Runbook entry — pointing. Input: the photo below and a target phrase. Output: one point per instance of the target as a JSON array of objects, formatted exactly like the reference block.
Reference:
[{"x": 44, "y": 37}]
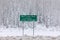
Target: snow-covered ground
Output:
[
  {"x": 40, "y": 30},
  {"x": 30, "y": 38}
]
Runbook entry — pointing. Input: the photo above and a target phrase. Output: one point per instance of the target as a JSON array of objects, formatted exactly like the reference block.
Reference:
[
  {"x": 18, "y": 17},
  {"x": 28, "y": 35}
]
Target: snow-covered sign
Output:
[{"x": 28, "y": 17}]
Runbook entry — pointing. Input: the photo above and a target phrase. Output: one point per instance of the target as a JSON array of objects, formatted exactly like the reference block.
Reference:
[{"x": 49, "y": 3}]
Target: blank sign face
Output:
[{"x": 28, "y": 17}]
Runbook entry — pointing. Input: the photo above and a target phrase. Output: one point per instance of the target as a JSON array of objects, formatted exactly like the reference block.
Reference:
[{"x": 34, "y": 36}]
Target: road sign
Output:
[{"x": 28, "y": 17}]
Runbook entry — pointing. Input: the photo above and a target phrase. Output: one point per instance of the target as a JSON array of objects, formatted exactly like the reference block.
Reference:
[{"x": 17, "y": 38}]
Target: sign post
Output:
[{"x": 28, "y": 18}]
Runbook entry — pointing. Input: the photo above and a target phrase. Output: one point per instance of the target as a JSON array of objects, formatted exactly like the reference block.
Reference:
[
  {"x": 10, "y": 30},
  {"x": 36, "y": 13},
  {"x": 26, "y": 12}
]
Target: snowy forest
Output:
[{"x": 47, "y": 11}]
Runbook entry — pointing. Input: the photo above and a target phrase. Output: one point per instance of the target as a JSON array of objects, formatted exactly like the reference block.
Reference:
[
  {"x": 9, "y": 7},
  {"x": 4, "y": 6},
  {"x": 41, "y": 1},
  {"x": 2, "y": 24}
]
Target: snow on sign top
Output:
[{"x": 28, "y": 17}]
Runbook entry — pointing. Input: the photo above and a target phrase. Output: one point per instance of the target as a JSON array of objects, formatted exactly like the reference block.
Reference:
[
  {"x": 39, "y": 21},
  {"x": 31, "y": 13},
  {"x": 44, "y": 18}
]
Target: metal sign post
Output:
[
  {"x": 23, "y": 29},
  {"x": 28, "y": 18},
  {"x": 33, "y": 28}
]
